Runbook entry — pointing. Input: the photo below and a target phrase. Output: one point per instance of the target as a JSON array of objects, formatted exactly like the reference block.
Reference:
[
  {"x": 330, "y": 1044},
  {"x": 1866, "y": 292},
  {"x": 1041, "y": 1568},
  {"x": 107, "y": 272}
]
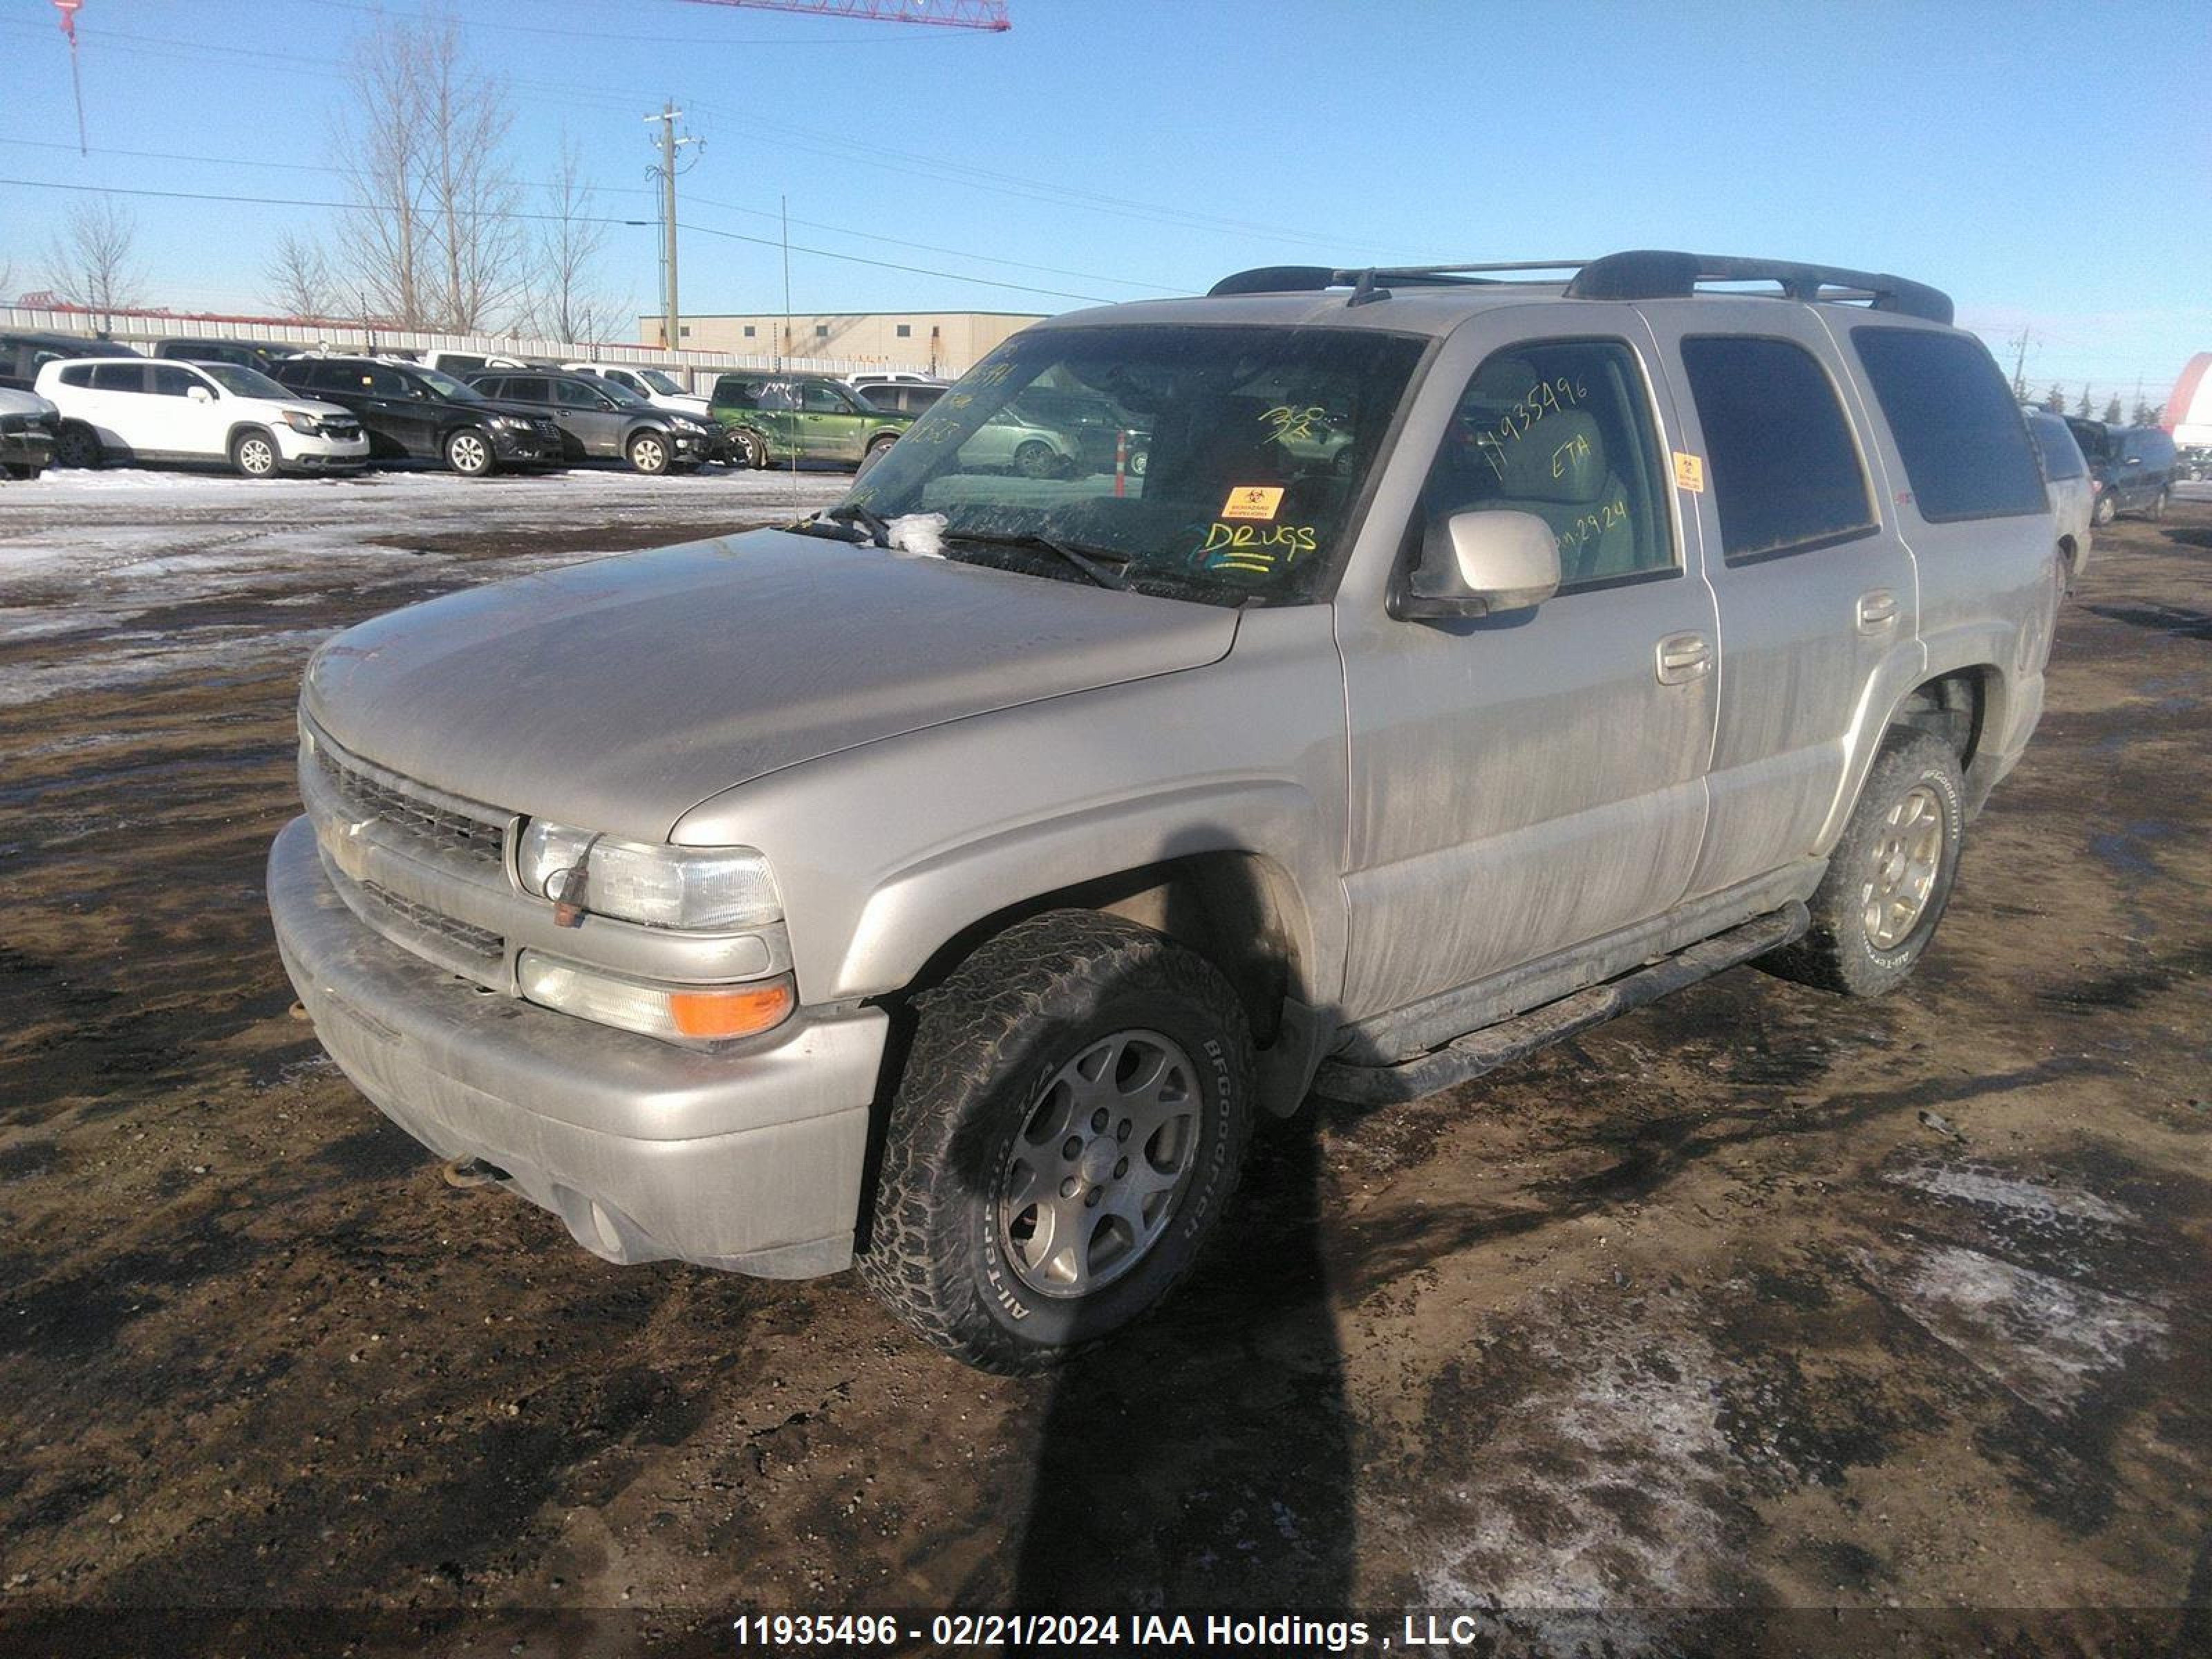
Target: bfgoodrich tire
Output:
[
  {"x": 1070, "y": 1121},
  {"x": 1890, "y": 876}
]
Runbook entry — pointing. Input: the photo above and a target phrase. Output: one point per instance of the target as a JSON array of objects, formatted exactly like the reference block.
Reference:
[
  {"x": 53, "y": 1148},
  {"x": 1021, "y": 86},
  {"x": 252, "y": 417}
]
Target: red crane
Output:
[{"x": 945, "y": 14}]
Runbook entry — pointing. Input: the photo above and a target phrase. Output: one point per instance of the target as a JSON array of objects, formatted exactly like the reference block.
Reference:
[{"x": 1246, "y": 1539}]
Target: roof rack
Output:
[{"x": 1642, "y": 273}]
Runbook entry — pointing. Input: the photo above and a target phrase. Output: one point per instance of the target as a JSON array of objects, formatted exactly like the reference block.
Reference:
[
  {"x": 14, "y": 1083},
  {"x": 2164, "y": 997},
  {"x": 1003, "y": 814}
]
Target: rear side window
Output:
[
  {"x": 1957, "y": 428},
  {"x": 79, "y": 376},
  {"x": 117, "y": 377},
  {"x": 2054, "y": 442},
  {"x": 1785, "y": 473}
]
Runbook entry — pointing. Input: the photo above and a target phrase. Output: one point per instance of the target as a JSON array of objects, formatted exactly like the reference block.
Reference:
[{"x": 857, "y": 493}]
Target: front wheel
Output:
[
  {"x": 649, "y": 453},
  {"x": 1890, "y": 876},
  {"x": 468, "y": 451},
  {"x": 77, "y": 445},
  {"x": 2158, "y": 507},
  {"x": 253, "y": 455},
  {"x": 1069, "y": 1125}
]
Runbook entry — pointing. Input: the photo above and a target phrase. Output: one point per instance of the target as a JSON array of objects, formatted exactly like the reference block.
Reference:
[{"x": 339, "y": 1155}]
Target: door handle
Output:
[
  {"x": 1877, "y": 611},
  {"x": 1684, "y": 658}
]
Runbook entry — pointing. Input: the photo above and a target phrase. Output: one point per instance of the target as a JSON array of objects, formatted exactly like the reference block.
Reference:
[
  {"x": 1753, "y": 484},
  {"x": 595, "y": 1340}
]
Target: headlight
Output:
[
  {"x": 512, "y": 423},
  {"x": 299, "y": 421},
  {"x": 695, "y": 887},
  {"x": 699, "y": 1013}
]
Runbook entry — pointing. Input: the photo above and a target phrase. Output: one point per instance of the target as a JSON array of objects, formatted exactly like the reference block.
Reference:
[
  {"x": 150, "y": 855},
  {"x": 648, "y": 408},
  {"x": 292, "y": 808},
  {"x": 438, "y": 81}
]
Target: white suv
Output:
[
  {"x": 657, "y": 386},
  {"x": 128, "y": 408}
]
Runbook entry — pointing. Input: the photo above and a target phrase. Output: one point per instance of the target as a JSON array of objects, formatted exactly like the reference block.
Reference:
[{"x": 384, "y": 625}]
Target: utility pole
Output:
[
  {"x": 2019, "y": 364},
  {"x": 670, "y": 143}
]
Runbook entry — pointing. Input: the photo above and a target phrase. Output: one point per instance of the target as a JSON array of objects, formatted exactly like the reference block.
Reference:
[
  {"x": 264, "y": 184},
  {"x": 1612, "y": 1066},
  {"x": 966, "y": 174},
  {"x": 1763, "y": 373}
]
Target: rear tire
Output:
[
  {"x": 24, "y": 474},
  {"x": 77, "y": 445},
  {"x": 992, "y": 1239},
  {"x": 469, "y": 452},
  {"x": 1890, "y": 876},
  {"x": 2104, "y": 513},
  {"x": 876, "y": 451},
  {"x": 2158, "y": 508},
  {"x": 253, "y": 455},
  {"x": 750, "y": 450}
]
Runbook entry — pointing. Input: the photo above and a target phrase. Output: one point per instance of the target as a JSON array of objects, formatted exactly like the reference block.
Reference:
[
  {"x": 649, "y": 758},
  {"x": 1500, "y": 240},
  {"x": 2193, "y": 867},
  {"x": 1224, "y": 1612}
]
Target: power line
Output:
[
  {"x": 545, "y": 218},
  {"x": 618, "y": 190},
  {"x": 940, "y": 170}
]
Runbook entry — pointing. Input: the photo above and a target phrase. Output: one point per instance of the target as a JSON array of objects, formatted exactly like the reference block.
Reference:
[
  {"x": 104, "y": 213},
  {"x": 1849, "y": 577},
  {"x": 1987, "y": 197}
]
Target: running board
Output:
[{"x": 1517, "y": 1038}]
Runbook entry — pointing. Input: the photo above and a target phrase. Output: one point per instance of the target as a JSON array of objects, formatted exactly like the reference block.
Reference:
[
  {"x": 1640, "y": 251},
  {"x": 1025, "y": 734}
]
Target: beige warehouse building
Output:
[{"x": 947, "y": 342}]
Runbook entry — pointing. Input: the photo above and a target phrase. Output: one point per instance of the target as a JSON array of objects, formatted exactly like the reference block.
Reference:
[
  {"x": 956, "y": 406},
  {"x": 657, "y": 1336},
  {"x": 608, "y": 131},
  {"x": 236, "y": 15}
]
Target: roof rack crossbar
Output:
[
  {"x": 1653, "y": 274},
  {"x": 1642, "y": 273}
]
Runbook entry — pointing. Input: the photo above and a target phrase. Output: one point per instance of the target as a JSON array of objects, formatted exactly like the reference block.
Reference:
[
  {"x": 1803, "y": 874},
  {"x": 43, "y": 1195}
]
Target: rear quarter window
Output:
[
  {"x": 2054, "y": 442},
  {"x": 1785, "y": 468},
  {"x": 1957, "y": 428}
]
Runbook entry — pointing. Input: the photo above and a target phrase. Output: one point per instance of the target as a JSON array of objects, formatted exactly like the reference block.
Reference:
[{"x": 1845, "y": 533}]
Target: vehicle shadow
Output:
[{"x": 1205, "y": 1458}]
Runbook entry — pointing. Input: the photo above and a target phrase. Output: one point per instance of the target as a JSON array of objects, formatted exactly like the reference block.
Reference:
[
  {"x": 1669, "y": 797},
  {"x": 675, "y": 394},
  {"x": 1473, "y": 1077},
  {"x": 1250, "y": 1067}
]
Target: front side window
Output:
[
  {"x": 1216, "y": 463},
  {"x": 172, "y": 382},
  {"x": 242, "y": 382},
  {"x": 1958, "y": 430},
  {"x": 1562, "y": 430},
  {"x": 445, "y": 385},
  {"x": 828, "y": 400},
  {"x": 1779, "y": 458}
]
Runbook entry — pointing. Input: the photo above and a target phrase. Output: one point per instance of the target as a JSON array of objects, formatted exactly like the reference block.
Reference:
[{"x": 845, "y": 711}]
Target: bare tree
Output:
[
  {"x": 565, "y": 301},
  {"x": 299, "y": 278},
  {"x": 475, "y": 202},
  {"x": 380, "y": 142},
  {"x": 90, "y": 263}
]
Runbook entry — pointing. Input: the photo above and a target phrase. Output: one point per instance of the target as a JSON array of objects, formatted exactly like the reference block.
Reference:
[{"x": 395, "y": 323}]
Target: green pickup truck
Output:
[{"x": 806, "y": 417}]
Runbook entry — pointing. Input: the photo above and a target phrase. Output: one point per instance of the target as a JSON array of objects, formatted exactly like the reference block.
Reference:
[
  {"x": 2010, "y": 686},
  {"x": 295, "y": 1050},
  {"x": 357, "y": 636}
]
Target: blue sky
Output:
[{"x": 2050, "y": 166}]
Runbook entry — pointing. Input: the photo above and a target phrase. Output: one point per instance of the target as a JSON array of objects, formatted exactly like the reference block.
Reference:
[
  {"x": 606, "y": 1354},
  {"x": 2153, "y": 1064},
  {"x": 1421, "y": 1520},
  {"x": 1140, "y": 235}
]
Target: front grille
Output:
[
  {"x": 455, "y": 834},
  {"x": 479, "y": 942}
]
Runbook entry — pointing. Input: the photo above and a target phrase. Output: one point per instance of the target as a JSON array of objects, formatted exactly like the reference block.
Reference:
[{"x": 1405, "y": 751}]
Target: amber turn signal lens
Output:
[{"x": 739, "y": 1012}]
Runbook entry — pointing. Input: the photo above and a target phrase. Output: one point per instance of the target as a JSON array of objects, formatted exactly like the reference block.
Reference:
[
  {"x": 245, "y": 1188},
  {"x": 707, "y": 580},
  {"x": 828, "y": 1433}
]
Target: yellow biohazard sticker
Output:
[
  {"x": 1253, "y": 501},
  {"x": 1690, "y": 472}
]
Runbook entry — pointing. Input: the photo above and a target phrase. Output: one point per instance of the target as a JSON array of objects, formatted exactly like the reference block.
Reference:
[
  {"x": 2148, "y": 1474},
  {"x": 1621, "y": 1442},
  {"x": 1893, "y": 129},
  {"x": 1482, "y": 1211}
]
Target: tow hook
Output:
[{"x": 466, "y": 1172}]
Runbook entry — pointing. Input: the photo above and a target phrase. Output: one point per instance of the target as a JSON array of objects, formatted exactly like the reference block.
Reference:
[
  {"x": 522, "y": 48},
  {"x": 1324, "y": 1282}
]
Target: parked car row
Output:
[{"x": 2132, "y": 467}]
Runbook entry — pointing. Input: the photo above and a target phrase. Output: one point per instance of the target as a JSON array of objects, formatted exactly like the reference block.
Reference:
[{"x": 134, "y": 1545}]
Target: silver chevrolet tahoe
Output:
[{"x": 943, "y": 884}]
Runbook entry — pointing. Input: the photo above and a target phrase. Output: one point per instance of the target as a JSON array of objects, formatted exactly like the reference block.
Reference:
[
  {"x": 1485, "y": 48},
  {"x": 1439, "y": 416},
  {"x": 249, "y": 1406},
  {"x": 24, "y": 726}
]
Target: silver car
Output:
[
  {"x": 2073, "y": 491},
  {"x": 944, "y": 884}
]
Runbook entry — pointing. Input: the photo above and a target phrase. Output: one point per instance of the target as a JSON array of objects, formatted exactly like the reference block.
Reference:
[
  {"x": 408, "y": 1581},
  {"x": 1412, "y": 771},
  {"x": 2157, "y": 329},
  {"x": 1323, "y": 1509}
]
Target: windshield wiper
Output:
[
  {"x": 879, "y": 527},
  {"x": 1086, "y": 561}
]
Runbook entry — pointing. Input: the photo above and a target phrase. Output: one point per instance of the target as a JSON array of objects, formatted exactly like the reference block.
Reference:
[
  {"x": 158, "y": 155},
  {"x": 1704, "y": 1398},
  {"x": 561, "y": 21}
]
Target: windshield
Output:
[
  {"x": 447, "y": 386},
  {"x": 241, "y": 382},
  {"x": 1219, "y": 464},
  {"x": 664, "y": 384}
]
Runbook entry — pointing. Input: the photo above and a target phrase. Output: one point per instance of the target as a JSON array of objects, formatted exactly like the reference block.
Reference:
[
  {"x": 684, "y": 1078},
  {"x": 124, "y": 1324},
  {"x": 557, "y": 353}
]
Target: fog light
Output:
[{"x": 717, "y": 1013}]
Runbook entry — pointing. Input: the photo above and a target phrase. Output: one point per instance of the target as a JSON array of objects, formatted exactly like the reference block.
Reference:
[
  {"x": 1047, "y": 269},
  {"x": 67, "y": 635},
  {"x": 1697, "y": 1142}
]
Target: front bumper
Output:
[
  {"x": 531, "y": 448},
  {"x": 307, "y": 452},
  {"x": 26, "y": 446},
  {"x": 764, "y": 1180}
]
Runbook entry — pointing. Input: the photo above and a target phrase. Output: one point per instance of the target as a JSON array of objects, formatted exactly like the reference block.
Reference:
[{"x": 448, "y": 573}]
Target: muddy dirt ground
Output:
[{"x": 1756, "y": 1299}]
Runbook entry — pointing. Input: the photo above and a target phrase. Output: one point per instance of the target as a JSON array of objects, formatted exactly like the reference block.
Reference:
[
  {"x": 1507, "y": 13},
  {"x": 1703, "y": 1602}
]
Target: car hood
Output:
[{"x": 618, "y": 695}]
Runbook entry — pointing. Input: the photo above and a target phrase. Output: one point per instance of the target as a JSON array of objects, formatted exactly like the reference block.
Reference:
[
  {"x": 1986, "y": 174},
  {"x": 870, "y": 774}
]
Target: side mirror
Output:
[
  {"x": 199, "y": 394},
  {"x": 1479, "y": 563}
]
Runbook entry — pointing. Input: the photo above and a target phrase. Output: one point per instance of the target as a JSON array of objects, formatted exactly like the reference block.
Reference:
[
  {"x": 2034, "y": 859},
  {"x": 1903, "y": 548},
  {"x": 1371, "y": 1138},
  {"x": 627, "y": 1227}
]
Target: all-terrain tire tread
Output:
[{"x": 919, "y": 1260}]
